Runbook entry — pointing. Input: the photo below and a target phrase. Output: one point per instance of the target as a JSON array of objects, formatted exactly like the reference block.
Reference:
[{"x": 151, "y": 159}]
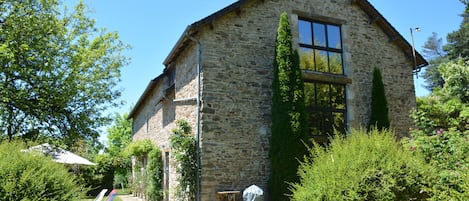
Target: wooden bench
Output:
[{"x": 228, "y": 195}]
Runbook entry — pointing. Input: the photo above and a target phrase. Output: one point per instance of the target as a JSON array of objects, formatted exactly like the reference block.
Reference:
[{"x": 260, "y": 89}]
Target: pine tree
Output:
[
  {"x": 288, "y": 115},
  {"x": 379, "y": 105}
]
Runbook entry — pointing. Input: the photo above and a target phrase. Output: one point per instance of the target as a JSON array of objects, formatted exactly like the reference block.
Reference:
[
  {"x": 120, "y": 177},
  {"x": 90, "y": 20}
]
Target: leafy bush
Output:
[
  {"x": 154, "y": 175},
  {"x": 184, "y": 149},
  {"x": 148, "y": 168},
  {"x": 363, "y": 166},
  {"x": 31, "y": 176},
  {"x": 448, "y": 152}
]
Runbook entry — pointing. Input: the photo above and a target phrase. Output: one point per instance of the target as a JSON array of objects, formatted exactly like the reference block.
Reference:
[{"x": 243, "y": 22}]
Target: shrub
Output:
[
  {"x": 448, "y": 152},
  {"x": 183, "y": 145},
  {"x": 362, "y": 166},
  {"x": 31, "y": 176},
  {"x": 148, "y": 169},
  {"x": 154, "y": 175},
  {"x": 379, "y": 105}
]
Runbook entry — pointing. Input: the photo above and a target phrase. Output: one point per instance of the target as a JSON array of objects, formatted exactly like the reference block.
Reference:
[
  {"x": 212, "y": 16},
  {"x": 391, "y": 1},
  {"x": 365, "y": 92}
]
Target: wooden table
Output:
[{"x": 229, "y": 195}]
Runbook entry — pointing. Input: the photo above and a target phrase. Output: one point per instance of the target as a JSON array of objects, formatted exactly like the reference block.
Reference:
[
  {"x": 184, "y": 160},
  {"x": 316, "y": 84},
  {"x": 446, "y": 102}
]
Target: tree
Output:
[
  {"x": 58, "y": 71},
  {"x": 379, "y": 105},
  {"x": 433, "y": 51},
  {"x": 119, "y": 137},
  {"x": 458, "y": 41},
  {"x": 288, "y": 115}
]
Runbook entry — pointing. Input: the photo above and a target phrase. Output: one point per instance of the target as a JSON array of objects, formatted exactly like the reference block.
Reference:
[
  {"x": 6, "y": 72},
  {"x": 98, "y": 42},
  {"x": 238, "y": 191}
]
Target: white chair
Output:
[{"x": 100, "y": 195}]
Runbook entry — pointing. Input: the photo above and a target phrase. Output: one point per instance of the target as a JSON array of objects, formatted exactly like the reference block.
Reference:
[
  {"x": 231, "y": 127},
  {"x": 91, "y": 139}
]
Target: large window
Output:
[
  {"x": 320, "y": 47},
  {"x": 321, "y": 52},
  {"x": 325, "y": 104}
]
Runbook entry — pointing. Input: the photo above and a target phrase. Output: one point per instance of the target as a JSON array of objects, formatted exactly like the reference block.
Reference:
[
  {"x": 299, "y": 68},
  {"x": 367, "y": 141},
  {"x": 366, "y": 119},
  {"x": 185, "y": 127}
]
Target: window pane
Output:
[
  {"x": 327, "y": 123},
  {"x": 338, "y": 96},
  {"x": 335, "y": 62},
  {"x": 306, "y": 58},
  {"x": 322, "y": 94},
  {"x": 333, "y": 37},
  {"x": 314, "y": 123},
  {"x": 339, "y": 121},
  {"x": 305, "y": 32},
  {"x": 319, "y": 31},
  {"x": 321, "y": 61},
  {"x": 309, "y": 95}
]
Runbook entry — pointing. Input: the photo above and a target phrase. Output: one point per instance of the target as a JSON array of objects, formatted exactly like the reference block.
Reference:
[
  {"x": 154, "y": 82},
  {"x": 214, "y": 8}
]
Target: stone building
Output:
[{"x": 231, "y": 53}]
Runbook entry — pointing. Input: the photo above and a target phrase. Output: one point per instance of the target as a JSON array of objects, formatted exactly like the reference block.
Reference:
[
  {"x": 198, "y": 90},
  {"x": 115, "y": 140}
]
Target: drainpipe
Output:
[{"x": 199, "y": 165}]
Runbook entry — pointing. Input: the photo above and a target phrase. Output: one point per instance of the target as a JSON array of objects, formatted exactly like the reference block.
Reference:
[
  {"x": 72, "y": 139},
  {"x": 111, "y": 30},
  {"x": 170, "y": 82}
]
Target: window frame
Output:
[
  {"x": 326, "y": 48},
  {"x": 328, "y": 78}
]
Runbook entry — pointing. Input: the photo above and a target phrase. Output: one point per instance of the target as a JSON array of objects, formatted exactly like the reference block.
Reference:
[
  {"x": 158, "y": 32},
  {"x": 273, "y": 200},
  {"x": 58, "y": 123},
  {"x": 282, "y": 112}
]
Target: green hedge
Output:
[
  {"x": 363, "y": 166},
  {"x": 31, "y": 176}
]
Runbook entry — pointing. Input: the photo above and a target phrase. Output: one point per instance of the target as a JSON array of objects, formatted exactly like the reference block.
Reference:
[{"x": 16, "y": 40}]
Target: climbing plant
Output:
[
  {"x": 183, "y": 146},
  {"x": 149, "y": 181}
]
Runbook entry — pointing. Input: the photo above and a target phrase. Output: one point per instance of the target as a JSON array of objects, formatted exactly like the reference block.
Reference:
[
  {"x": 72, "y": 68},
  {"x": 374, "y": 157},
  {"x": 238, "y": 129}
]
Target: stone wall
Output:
[
  {"x": 237, "y": 65},
  {"x": 159, "y": 111},
  {"x": 237, "y": 56}
]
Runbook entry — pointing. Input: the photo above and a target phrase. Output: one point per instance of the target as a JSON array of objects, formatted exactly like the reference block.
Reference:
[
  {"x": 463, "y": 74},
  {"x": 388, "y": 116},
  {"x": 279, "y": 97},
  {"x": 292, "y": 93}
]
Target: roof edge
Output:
[
  {"x": 145, "y": 94},
  {"x": 365, "y": 5},
  {"x": 194, "y": 26}
]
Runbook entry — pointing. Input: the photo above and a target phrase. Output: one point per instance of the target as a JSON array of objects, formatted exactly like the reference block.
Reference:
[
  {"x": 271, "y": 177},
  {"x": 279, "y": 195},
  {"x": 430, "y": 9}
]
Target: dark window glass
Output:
[
  {"x": 326, "y": 108},
  {"x": 323, "y": 48}
]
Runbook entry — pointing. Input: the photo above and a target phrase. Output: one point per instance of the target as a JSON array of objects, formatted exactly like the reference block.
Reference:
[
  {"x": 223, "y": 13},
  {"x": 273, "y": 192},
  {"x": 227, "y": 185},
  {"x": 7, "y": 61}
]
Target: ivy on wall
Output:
[
  {"x": 184, "y": 152},
  {"x": 147, "y": 181}
]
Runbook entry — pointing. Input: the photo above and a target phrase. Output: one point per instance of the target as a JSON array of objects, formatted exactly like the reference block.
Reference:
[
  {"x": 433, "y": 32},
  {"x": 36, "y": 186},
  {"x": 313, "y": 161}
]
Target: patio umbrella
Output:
[{"x": 60, "y": 155}]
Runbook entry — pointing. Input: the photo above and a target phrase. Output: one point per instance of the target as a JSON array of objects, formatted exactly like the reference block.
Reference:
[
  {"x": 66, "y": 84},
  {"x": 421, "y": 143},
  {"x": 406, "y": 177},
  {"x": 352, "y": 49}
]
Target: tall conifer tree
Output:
[
  {"x": 379, "y": 105},
  {"x": 288, "y": 115}
]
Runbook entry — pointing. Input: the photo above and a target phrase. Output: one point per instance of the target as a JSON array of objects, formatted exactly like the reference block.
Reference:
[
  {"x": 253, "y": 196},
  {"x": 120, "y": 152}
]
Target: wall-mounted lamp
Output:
[{"x": 417, "y": 29}]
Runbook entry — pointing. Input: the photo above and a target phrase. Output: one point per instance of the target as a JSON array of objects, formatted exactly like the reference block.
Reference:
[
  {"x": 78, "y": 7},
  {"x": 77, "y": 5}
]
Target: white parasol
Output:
[{"x": 61, "y": 155}]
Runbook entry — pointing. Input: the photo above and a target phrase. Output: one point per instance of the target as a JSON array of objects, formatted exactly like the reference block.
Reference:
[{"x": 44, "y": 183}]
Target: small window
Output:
[{"x": 320, "y": 47}]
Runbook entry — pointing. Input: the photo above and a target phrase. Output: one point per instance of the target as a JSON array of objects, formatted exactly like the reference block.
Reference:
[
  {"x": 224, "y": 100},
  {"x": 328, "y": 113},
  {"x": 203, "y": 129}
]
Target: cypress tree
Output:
[
  {"x": 288, "y": 115},
  {"x": 379, "y": 105}
]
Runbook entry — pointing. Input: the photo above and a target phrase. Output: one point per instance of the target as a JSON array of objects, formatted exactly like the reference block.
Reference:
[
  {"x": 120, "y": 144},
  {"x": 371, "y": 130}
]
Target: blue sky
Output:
[{"x": 152, "y": 28}]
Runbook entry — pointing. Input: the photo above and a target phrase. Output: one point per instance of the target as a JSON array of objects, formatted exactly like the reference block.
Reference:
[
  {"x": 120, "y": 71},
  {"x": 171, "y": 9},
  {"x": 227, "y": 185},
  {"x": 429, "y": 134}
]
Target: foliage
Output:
[
  {"x": 154, "y": 175},
  {"x": 456, "y": 77},
  {"x": 379, "y": 105},
  {"x": 139, "y": 148},
  {"x": 58, "y": 71},
  {"x": 99, "y": 176},
  {"x": 442, "y": 134},
  {"x": 433, "y": 51},
  {"x": 148, "y": 168},
  {"x": 184, "y": 152},
  {"x": 448, "y": 152},
  {"x": 31, "y": 176},
  {"x": 119, "y": 137},
  {"x": 446, "y": 108},
  {"x": 458, "y": 41},
  {"x": 362, "y": 166},
  {"x": 288, "y": 114}
]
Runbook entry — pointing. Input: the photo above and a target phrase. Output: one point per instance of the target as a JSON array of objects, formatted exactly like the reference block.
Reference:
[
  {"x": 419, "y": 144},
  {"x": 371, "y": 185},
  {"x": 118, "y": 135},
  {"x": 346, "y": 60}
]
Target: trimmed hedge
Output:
[{"x": 31, "y": 176}]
